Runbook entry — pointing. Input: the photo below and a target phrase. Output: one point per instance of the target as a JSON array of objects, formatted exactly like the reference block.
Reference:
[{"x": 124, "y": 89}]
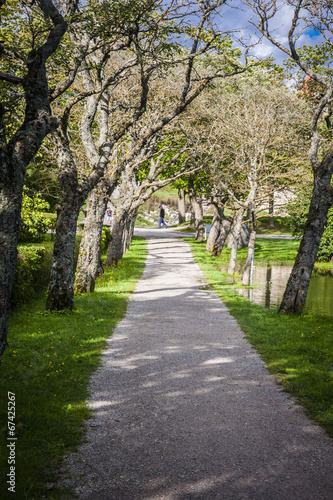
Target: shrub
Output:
[
  {"x": 325, "y": 252},
  {"x": 298, "y": 212},
  {"x": 34, "y": 223},
  {"x": 31, "y": 273},
  {"x": 105, "y": 239}
]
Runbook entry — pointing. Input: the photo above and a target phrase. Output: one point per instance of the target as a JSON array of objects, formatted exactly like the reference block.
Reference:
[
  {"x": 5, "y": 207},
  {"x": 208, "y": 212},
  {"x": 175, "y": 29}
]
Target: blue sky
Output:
[{"x": 237, "y": 15}]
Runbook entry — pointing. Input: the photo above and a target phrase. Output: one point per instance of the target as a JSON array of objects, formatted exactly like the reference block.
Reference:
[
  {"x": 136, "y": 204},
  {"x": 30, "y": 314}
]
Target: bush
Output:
[
  {"x": 298, "y": 212},
  {"x": 325, "y": 252},
  {"x": 34, "y": 223},
  {"x": 105, "y": 239},
  {"x": 31, "y": 273}
]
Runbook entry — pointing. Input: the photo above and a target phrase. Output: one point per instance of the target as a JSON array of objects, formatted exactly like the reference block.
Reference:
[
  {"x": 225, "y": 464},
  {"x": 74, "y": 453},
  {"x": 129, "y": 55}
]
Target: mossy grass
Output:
[
  {"x": 298, "y": 350},
  {"x": 47, "y": 365}
]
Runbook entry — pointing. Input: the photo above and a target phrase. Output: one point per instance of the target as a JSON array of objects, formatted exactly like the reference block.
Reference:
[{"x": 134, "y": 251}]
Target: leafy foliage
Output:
[
  {"x": 105, "y": 239},
  {"x": 31, "y": 273},
  {"x": 34, "y": 222},
  {"x": 298, "y": 213},
  {"x": 325, "y": 252}
]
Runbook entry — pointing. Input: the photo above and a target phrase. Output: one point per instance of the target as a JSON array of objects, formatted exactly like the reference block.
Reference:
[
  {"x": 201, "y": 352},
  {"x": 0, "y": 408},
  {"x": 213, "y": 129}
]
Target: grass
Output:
[
  {"x": 267, "y": 250},
  {"x": 298, "y": 350},
  {"x": 142, "y": 222},
  {"x": 185, "y": 226},
  {"x": 47, "y": 365},
  {"x": 280, "y": 226}
]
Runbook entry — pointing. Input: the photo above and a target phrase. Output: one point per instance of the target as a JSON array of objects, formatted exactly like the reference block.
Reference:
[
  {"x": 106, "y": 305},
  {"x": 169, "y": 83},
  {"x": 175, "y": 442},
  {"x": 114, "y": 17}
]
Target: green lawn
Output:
[
  {"x": 47, "y": 365},
  {"x": 298, "y": 350},
  {"x": 267, "y": 250},
  {"x": 280, "y": 226}
]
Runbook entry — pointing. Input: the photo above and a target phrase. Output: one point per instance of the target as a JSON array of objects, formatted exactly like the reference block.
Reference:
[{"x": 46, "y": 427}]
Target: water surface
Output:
[{"x": 270, "y": 283}]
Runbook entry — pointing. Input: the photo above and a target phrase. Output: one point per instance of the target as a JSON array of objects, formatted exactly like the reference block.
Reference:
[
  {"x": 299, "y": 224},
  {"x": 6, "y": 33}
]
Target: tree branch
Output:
[{"x": 11, "y": 78}]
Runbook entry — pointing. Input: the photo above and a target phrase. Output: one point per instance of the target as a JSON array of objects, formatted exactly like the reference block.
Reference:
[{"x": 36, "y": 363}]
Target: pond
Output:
[{"x": 270, "y": 282}]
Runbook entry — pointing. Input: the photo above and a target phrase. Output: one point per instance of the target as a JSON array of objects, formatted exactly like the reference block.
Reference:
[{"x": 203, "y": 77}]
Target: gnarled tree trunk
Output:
[
  {"x": 129, "y": 229},
  {"x": 116, "y": 246},
  {"x": 17, "y": 152},
  {"x": 216, "y": 227},
  {"x": 250, "y": 250},
  {"x": 61, "y": 287},
  {"x": 10, "y": 220},
  {"x": 196, "y": 203},
  {"x": 271, "y": 210},
  {"x": 89, "y": 265},
  {"x": 235, "y": 232},
  {"x": 297, "y": 287},
  {"x": 224, "y": 232},
  {"x": 181, "y": 206},
  {"x": 192, "y": 217}
]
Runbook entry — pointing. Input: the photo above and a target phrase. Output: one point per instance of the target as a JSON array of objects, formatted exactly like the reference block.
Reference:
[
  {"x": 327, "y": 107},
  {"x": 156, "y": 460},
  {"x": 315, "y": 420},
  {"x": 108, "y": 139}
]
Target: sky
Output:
[{"x": 237, "y": 16}]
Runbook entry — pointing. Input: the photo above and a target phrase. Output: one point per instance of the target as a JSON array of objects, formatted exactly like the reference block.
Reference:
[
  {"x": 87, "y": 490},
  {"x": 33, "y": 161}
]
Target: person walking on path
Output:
[
  {"x": 161, "y": 220},
  {"x": 185, "y": 409}
]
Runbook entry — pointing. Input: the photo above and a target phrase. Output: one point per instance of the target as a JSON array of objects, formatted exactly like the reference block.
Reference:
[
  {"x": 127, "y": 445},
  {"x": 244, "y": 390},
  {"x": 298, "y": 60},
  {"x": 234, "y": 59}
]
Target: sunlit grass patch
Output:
[{"x": 47, "y": 365}]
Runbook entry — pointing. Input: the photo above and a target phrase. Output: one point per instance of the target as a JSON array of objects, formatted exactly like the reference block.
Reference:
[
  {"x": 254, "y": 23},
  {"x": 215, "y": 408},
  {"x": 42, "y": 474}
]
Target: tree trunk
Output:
[
  {"x": 89, "y": 265},
  {"x": 224, "y": 231},
  {"x": 116, "y": 246},
  {"x": 199, "y": 236},
  {"x": 235, "y": 232},
  {"x": 216, "y": 227},
  {"x": 268, "y": 286},
  {"x": 181, "y": 206},
  {"x": 17, "y": 152},
  {"x": 61, "y": 287},
  {"x": 196, "y": 203},
  {"x": 297, "y": 287},
  {"x": 250, "y": 251},
  {"x": 271, "y": 210},
  {"x": 129, "y": 229},
  {"x": 10, "y": 221},
  {"x": 192, "y": 218}
]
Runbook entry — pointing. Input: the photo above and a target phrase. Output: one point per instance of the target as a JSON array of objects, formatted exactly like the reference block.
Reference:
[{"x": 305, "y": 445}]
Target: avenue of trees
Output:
[{"x": 135, "y": 95}]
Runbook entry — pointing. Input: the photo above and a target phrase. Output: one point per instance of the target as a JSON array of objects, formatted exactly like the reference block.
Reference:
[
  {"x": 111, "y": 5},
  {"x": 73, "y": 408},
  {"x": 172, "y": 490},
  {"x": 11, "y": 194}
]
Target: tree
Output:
[
  {"x": 251, "y": 123},
  {"x": 24, "y": 66},
  {"x": 316, "y": 15},
  {"x": 137, "y": 187},
  {"x": 196, "y": 205},
  {"x": 220, "y": 224},
  {"x": 101, "y": 48},
  {"x": 140, "y": 134},
  {"x": 144, "y": 171}
]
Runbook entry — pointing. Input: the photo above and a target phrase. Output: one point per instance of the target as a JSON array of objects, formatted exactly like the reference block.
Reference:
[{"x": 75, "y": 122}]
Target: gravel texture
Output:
[{"x": 184, "y": 408}]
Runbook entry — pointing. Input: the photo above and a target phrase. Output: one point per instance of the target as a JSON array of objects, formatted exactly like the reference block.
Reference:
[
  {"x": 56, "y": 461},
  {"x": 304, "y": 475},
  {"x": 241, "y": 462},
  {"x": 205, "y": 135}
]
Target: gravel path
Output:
[{"x": 184, "y": 407}]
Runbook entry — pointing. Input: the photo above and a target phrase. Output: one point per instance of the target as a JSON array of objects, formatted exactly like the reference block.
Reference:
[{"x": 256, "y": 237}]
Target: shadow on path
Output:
[{"x": 185, "y": 409}]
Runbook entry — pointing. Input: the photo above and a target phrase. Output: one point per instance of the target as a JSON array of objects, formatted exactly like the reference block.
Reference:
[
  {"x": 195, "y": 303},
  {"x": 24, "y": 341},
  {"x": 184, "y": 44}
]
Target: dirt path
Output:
[{"x": 184, "y": 407}]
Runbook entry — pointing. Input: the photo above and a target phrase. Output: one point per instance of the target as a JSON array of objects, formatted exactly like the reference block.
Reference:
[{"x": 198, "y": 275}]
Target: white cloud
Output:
[{"x": 236, "y": 18}]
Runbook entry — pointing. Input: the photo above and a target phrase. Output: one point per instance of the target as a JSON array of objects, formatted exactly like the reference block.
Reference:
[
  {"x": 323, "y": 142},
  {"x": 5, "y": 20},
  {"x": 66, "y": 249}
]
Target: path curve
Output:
[{"x": 184, "y": 407}]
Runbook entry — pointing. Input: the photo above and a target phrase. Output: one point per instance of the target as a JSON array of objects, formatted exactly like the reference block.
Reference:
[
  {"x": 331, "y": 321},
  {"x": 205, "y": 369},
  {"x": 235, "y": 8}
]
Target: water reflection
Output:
[{"x": 270, "y": 282}]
